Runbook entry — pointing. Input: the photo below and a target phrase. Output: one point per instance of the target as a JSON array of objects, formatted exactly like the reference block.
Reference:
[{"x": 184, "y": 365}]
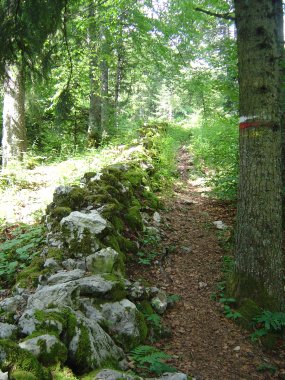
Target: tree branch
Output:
[{"x": 227, "y": 16}]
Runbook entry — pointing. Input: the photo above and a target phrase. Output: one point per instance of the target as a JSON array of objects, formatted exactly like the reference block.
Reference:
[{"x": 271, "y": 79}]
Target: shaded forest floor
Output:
[{"x": 204, "y": 343}]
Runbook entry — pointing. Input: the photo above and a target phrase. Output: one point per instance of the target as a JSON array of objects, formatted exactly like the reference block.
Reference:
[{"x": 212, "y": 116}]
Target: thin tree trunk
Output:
[
  {"x": 104, "y": 96},
  {"x": 259, "y": 259},
  {"x": 14, "y": 141},
  {"x": 119, "y": 71},
  {"x": 94, "y": 123}
]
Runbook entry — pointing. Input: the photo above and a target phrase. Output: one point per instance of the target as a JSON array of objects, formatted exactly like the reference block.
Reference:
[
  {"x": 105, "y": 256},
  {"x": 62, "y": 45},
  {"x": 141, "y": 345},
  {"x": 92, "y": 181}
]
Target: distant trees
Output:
[
  {"x": 14, "y": 140},
  {"x": 24, "y": 29},
  {"x": 259, "y": 257},
  {"x": 108, "y": 64}
]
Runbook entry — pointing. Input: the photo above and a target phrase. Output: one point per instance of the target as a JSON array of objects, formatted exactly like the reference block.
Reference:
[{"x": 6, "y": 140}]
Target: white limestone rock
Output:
[
  {"x": 13, "y": 304},
  {"x": 95, "y": 343},
  {"x": 104, "y": 261},
  {"x": 29, "y": 323},
  {"x": 44, "y": 345},
  {"x": 159, "y": 302},
  {"x": 65, "y": 276},
  {"x": 111, "y": 374},
  {"x": 124, "y": 322},
  {"x": 7, "y": 331},
  {"x": 58, "y": 295}
]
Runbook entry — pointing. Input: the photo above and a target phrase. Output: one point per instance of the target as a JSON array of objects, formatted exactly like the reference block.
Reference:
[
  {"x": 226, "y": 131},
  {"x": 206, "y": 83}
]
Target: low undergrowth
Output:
[
  {"x": 265, "y": 327},
  {"x": 150, "y": 360},
  {"x": 20, "y": 243},
  {"x": 215, "y": 147}
]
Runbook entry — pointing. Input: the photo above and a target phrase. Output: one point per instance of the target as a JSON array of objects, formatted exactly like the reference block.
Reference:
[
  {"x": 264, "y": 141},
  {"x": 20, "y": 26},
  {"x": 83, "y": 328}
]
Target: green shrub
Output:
[{"x": 215, "y": 146}]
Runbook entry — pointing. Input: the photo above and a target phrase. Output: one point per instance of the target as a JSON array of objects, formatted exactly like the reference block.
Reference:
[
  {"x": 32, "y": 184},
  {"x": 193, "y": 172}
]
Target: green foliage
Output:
[
  {"x": 228, "y": 302},
  {"x": 167, "y": 145},
  {"x": 149, "y": 244},
  {"x": 268, "y": 322},
  {"x": 154, "y": 319},
  {"x": 228, "y": 311},
  {"x": 150, "y": 359},
  {"x": 20, "y": 245},
  {"x": 172, "y": 298},
  {"x": 228, "y": 265},
  {"x": 146, "y": 257},
  {"x": 264, "y": 367},
  {"x": 65, "y": 373},
  {"x": 215, "y": 146}
]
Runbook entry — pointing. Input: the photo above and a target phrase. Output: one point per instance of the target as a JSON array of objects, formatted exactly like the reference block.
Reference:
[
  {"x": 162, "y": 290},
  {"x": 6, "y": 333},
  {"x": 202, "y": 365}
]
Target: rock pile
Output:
[{"x": 73, "y": 305}]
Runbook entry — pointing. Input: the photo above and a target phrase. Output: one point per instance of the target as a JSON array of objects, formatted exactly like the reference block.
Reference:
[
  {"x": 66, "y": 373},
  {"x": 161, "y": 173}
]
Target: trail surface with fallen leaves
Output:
[{"x": 204, "y": 343}]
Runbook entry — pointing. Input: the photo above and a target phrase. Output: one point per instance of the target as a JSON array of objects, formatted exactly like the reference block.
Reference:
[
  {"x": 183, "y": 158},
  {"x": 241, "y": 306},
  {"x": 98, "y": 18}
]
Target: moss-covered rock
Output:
[
  {"x": 81, "y": 232},
  {"x": 118, "y": 291},
  {"x": 28, "y": 277},
  {"x": 88, "y": 176},
  {"x": 47, "y": 348},
  {"x": 55, "y": 253},
  {"x": 133, "y": 218},
  {"x": 136, "y": 177},
  {"x": 13, "y": 358},
  {"x": 22, "y": 375},
  {"x": 106, "y": 260},
  {"x": 60, "y": 212},
  {"x": 112, "y": 240},
  {"x": 127, "y": 245},
  {"x": 73, "y": 197},
  {"x": 91, "y": 347},
  {"x": 125, "y": 323},
  {"x": 151, "y": 199}
]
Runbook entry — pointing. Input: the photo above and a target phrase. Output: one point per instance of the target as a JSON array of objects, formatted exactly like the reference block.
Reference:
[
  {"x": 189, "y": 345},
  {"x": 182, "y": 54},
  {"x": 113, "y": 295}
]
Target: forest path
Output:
[{"x": 205, "y": 344}]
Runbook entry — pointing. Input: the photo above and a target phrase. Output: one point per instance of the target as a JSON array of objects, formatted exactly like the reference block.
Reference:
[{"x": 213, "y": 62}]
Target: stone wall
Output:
[{"x": 74, "y": 306}]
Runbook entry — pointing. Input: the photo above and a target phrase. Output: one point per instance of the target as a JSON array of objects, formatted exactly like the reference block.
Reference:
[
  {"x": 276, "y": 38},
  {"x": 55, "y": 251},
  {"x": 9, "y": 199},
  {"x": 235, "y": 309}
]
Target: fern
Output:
[
  {"x": 271, "y": 320},
  {"x": 151, "y": 359},
  {"x": 268, "y": 321},
  {"x": 154, "y": 319}
]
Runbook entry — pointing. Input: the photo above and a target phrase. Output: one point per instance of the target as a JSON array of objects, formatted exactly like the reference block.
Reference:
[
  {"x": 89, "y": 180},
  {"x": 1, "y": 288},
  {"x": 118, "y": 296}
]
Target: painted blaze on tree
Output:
[{"x": 259, "y": 261}]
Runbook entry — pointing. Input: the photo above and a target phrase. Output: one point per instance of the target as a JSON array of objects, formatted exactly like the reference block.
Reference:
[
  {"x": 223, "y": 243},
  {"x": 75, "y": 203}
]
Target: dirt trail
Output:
[{"x": 206, "y": 345}]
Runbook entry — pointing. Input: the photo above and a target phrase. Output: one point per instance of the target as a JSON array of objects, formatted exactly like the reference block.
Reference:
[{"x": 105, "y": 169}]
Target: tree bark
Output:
[
  {"x": 259, "y": 261},
  {"x": 14, "y": 140},
  {"x": 279, "y": 20}
]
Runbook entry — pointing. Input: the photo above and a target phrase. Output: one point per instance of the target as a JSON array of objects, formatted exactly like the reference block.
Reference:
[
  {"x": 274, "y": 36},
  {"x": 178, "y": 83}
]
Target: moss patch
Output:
[
  {"x": 241, "y": 286},
  {"x": 55, "y": 253},
  {"x": 118, "y": 291},
  {"x": 248, "y": 310},
  {"x": 13, "y": 358},
  {"x": 56, "y": 354},
  {"x": 133, "y": 218},
  {"x": 22, "y": 375},
  {"x": 79, "y": 361},
  {"x": 29, "y": 276},
  {"x": 60, "y": 212}
]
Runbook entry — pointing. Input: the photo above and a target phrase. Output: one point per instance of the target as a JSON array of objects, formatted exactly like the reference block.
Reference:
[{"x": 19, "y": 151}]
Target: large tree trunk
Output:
[
  {"x": 279, "y": 20},
  {"x": 94, "y": 123},
  {"x": 259, "y": 261},
  {"x": 14, "y": 141}
]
